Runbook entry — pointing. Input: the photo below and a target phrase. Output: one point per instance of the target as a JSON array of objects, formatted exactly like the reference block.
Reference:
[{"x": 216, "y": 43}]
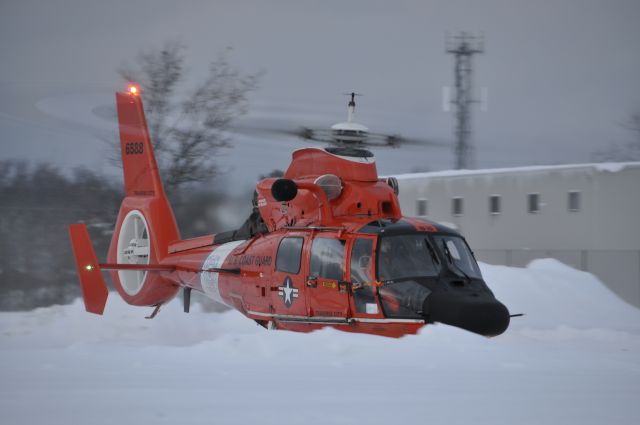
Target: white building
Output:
[{"x": 586, "y": 215}]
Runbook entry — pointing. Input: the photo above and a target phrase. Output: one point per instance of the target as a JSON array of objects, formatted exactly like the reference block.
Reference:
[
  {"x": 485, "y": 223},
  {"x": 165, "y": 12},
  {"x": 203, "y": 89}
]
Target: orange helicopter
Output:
[{"x": 326, "y": 245}]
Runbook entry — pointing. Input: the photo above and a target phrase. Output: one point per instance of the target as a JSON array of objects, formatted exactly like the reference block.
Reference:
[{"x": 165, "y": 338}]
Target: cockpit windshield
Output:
[
  {"x": 458, "y": 254},
  {"x": 406, "y": 256}
]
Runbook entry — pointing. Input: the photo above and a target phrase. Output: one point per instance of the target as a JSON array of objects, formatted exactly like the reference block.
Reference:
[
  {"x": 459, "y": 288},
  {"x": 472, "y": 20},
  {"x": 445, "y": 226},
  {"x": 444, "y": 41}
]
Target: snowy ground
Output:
[{"x": 574, "y": 358}]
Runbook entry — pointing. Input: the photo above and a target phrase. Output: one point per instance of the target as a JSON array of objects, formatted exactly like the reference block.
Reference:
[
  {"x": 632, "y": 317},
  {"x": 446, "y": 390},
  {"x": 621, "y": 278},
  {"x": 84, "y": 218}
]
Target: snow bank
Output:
[
  {"x": 572, "y": 359},
  {"x": 552, "y": 294}
]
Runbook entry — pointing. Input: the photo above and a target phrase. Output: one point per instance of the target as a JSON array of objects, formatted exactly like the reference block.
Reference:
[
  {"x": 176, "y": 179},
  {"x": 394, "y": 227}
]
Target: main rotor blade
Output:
[
  {"x": 304, "y": 133},
  {"x": 396, "y": 140},
  {"x": 325, "y": 135}
]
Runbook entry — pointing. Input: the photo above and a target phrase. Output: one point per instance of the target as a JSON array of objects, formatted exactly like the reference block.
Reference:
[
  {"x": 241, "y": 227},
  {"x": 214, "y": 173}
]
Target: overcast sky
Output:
[{"x": 562, "y": 76}]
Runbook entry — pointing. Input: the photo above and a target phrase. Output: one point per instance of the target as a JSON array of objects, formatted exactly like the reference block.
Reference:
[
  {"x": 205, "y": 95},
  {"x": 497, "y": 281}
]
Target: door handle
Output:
[
  {"x": 312, "y": 282},
  {"x": 343, "y": 286}
]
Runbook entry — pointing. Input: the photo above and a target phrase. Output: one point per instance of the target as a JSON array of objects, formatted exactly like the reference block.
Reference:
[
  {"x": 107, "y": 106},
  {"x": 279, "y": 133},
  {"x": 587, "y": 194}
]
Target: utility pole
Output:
[{"x": 463, "y": 46}]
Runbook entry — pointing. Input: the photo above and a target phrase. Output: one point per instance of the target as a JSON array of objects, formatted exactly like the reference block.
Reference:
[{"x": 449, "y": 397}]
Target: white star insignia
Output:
[{"x": 288, "y": 292}]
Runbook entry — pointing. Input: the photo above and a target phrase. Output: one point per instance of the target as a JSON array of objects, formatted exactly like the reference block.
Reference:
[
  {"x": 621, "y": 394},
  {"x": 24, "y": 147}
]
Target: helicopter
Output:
[{"x": 326, "y": 245}]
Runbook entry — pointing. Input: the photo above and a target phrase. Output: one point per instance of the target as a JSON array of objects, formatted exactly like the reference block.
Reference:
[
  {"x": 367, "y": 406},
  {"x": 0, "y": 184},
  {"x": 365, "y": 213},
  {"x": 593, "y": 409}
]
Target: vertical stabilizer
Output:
[
  {"x": 141, "y": 176},
  {"x": 146, "y": 224}
]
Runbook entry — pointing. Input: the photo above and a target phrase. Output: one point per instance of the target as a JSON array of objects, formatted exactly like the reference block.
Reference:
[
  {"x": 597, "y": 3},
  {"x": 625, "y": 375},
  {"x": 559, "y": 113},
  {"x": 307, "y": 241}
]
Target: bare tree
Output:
[
  {"x": 629, "y": 151},
  {"x": 273, "y": 173},
  {"x": 188, "y": 131}
]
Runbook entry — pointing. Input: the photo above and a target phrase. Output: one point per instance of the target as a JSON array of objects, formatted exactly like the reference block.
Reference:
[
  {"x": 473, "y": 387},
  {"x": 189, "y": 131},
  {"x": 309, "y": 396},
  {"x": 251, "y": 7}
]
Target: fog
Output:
[
  {"x": 562, "y": 81},
  {"x": 561, "y": 76}
]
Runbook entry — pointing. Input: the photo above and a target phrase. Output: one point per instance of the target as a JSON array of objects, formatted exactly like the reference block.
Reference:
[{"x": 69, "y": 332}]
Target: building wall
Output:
[{"x": 603, "y": 237}]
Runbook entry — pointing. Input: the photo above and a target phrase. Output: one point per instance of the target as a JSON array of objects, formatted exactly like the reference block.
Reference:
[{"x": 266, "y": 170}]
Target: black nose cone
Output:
[{"x": 488, "y": 317}]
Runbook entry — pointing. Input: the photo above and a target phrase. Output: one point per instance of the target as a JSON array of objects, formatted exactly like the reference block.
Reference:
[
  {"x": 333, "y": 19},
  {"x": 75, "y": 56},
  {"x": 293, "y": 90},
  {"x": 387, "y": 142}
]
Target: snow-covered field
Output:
[{"x": 574, "y": 358}]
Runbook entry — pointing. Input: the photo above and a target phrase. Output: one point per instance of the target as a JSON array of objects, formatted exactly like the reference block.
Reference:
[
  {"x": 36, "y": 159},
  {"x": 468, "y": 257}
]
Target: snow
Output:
[
  {"x": 611, "y": 167},
  {"x": 573, "y": 358}
]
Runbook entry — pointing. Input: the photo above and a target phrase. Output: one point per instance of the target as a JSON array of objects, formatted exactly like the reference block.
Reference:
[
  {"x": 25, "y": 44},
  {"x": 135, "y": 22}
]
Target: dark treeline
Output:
[{"x": 37, "y": 202}]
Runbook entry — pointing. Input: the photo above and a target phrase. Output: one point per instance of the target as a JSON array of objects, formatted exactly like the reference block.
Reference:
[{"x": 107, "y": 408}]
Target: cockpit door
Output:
[
  {"x": 362, "y": 276},
  {"x": 327, "y": 288}
]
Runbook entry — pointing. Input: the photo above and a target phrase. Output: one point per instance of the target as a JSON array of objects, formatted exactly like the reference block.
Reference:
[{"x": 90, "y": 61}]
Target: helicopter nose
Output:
[{"x": 484, "y": 317}]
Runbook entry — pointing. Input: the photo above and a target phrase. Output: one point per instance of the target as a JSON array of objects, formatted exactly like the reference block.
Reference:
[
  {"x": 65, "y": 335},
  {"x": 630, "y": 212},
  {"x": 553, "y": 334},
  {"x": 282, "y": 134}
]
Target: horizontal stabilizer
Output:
[
  {"x": 94, "y": 288},
  {"x": 139, "y": 267}
]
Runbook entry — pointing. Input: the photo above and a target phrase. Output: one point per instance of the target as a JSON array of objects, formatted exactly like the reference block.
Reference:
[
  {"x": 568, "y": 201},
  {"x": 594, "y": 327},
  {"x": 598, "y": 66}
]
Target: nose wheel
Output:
[{"x": 133, "y": 248}]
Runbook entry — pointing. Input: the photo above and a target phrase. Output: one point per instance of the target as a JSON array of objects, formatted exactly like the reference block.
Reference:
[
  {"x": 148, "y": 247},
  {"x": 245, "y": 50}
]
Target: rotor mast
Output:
[
  {"x": 351, "y": 106},
  {"x": 463, "y": 46}
]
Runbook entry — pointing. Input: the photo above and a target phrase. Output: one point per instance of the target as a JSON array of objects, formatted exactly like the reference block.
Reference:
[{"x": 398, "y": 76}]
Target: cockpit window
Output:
[
  {"x": 405, "y": 256},
  {"x": 361, "y": 261},
  {"x": 458, "y": 254}
]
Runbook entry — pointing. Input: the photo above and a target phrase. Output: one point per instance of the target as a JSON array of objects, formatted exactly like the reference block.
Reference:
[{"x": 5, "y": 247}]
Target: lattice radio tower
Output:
[{"x": 463, "y": 46}]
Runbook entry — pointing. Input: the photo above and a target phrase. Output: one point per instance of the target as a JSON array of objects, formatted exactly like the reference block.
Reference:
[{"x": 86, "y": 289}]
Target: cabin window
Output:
[
  {"x": 327, "y": 257},
  {"x": 289, "y": 253},
  {"x": 573, "y": 201},
  {"x": 533, "y": 203},
  {"x": 457, "y": 206},
  {"x": 495, "y": 206},
  {"x": 421, "y": 207}
]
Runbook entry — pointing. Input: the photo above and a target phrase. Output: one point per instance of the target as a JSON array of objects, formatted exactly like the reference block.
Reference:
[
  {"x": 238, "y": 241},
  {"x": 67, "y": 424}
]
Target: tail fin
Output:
[
  {"x": 94, "y": 289},
  {"x": 141, "y": 176},
  {"x": 146, "y": 224}
]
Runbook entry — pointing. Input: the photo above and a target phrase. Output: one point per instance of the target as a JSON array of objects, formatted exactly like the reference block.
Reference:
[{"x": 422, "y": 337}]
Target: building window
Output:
[
  {"x": 495, "y": 206},
  {"x": 421, "y": 207},
  {"x": 457, "y": 206},
  {"x": 573, "y": 201},
  {"x": 533, "y": 203}
]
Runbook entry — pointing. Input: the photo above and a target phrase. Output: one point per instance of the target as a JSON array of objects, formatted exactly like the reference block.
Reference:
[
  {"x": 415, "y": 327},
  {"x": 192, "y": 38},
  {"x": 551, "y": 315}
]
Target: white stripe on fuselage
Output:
[{"x": 215, "y": 260}]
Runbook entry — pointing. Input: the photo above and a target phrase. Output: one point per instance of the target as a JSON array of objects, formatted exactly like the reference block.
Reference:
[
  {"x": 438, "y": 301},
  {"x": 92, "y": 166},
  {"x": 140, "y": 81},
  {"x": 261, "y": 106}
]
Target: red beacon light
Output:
[{"x": 133, "y": 90}]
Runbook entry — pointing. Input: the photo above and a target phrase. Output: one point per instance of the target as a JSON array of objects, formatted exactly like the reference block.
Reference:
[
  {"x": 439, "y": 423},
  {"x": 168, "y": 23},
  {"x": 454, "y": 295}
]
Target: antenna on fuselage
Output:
[{"x": 351, "y": 106}]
